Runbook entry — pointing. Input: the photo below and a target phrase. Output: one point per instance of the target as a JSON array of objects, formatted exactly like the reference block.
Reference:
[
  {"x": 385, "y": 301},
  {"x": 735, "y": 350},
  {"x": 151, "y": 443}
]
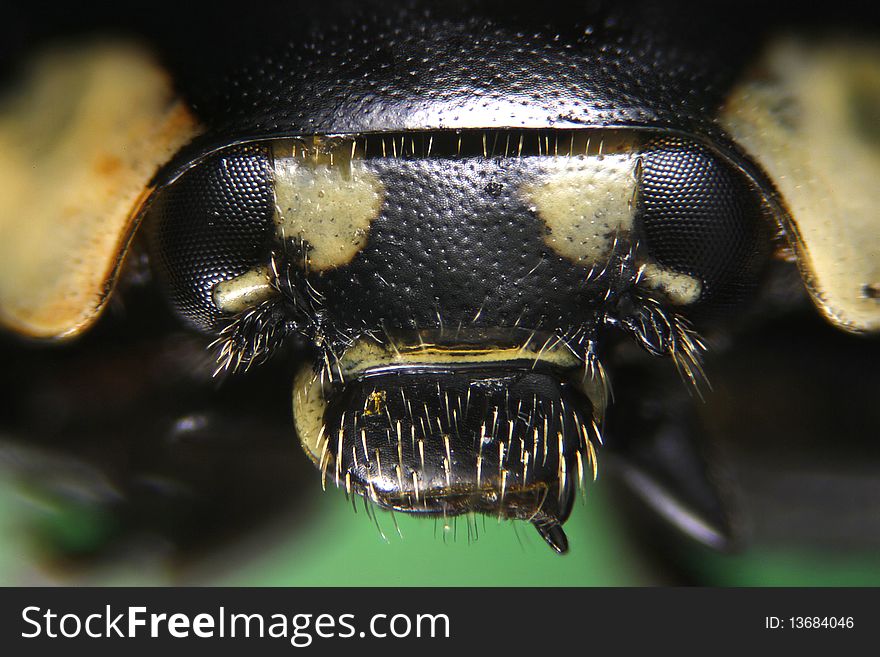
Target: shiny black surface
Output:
[
  {"x": 292, "y": 68},
  {"x": 213, "y": 225},
  {"x": 344, "y": 67}
]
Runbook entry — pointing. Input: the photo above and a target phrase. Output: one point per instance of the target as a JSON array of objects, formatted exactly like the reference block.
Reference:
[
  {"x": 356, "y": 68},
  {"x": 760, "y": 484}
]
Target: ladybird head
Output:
[{"x": 456, "y": 288}]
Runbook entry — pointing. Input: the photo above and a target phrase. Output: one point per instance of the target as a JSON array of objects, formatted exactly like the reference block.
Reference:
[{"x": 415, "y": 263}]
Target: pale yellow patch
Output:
[
  {"x": 308, "y": 412},
  {"x": 809, "y": 117},
  {"x": 245, "y": 291},
  {"x": 80, "y": 139},
  {"x": 367, "y": 355},
  {"x": 680, "y": 289},
  {"x": 584, "y": 202},
  {"x": 328, "y": 204}
]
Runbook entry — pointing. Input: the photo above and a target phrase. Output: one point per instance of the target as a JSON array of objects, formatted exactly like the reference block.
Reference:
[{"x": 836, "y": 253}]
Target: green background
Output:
[{"x": 332, "y": 546}]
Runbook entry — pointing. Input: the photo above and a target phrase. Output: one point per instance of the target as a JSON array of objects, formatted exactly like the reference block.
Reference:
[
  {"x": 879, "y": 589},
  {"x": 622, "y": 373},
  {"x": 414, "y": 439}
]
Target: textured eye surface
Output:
[
  {"x": 700, "y": 217},
  {"x": 210, "y": 226}
]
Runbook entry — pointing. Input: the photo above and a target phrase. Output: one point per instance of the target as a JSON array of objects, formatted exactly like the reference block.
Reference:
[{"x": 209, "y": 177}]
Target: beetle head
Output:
[{"x": 455, "y": 287}]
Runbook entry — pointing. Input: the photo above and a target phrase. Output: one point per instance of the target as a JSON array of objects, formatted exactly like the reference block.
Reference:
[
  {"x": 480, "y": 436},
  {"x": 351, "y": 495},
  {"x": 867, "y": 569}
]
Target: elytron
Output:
[{"x": 450, "y": 225}]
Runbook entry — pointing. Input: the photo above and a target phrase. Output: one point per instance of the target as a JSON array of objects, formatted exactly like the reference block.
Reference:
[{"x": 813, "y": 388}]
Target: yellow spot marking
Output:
[
  {"x": 584, "y": 202},
  {"x": 244, "y": 291},
  {"x": 308, "y": 412},
  {"x": 680, "y": 289},
  {"x": 329, "y": 206}
]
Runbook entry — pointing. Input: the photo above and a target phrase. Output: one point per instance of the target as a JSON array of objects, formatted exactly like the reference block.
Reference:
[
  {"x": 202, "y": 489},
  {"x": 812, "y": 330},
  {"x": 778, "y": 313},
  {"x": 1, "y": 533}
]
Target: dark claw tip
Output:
[{"x": 554, "y": 536}]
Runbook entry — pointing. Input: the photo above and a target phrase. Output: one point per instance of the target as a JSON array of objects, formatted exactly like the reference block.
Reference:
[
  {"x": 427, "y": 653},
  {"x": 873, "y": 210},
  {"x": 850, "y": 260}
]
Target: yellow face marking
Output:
[
  {"x": 308, "y": 413},
  {"x": 245, "y": 291},
  {"x": 80, "y": 140},
  {"x": 680, "y": 289},
  {"x": 326, "y": 199},
  {"x": 805, "y": 119},
  {"x": 366, "y": 355},
  {"x": 584, "y": 202}
]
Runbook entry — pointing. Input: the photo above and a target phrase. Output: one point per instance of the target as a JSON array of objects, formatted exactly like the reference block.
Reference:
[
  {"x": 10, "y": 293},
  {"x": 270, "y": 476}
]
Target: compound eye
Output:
[
  {"x": 211, "y": 226},
  {"x": 704, "y": 227}
]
